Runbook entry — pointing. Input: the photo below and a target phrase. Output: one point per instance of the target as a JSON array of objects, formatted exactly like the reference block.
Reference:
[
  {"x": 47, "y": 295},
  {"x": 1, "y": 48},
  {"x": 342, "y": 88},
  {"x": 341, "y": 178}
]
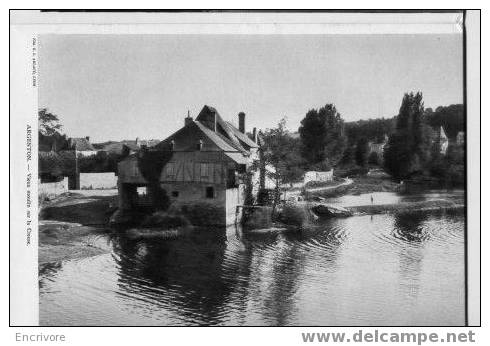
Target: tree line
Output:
[
  {"x": 57, "y": 159},
  {"x": 411, "y": 146}
]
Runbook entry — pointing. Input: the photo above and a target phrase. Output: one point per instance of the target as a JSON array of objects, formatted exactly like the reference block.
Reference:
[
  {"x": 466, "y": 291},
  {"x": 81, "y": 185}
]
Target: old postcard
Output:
[{"x": 245, "y": 169}]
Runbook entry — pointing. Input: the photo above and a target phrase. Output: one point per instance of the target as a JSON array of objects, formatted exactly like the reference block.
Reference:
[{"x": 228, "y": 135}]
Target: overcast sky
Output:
[{"x": 113, "y": 87}]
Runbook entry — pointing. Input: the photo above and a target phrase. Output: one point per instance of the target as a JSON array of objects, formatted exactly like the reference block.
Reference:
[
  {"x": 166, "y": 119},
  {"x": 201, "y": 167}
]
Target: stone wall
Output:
[
  {"x": 53, "y": 189},
  {"x": 97, "y": 181},
  {"x": 193, "y": 199}
]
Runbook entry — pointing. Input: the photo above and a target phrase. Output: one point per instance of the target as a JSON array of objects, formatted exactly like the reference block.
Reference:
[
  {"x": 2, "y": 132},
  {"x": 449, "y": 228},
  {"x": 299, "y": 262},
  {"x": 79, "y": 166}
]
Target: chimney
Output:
[
  {"x": 241, "y": 122},
  {"x": 254, "y": 135},
  {"x": 188, "y": 119},
  {"x": 87, "y": 138},
  {"x": 137, "y": 142}
]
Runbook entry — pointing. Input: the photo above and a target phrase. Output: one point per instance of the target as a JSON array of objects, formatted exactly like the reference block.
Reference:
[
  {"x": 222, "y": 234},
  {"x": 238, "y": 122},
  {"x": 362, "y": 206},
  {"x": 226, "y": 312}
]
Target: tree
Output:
[
  {"x": 451, "y": 118},
  {"x": 48, "y": 122},
  {"x": 372, "y": 129},
  {"x": 280, "y": 151},
  {"x": 321, "y": 134},
  {"x": 407, "y": 150},
  {"x": 150, "y": 164},
  {"x": 362, "y": 151}
]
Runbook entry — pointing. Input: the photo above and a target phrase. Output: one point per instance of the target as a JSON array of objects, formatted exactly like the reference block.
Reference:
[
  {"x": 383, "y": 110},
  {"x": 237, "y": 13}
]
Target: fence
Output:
[
  {"x": 98, "y": 181},
  {"x": 53, "y": 189}
]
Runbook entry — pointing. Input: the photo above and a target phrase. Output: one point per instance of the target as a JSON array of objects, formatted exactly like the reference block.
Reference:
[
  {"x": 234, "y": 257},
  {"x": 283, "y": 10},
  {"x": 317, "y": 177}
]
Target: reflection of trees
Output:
[
  {"x": 211, "y": 279},
  {"x": 184, "y": 275},
  {"x": 278, "y": 262},
  {"x": 287, "y": 268},
  {"x": 409, "y": 228}
]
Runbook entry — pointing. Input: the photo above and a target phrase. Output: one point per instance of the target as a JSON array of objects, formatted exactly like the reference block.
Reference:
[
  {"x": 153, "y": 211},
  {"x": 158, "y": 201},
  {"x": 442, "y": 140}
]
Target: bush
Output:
[
  {"x": 201, "y": 213},
  {"x": 351, "y": 171},
  {"x": 163, "y": 219},
  {"x": 295, "y": 214}
]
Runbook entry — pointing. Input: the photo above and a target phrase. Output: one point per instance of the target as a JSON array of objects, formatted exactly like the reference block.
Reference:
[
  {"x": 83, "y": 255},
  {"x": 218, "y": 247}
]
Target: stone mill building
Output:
[{"x": 203, "y": 170}]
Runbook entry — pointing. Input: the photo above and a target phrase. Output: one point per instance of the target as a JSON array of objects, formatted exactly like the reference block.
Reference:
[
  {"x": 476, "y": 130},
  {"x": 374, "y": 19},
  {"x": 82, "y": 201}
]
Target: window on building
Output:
[
  {"x": 134, "y": 170},
  {"x": 170, "y": 171},
  {"x": 209, "y": 192},
  {"x": 175, "y": 193},
  {"x": 205, "y": 171}
]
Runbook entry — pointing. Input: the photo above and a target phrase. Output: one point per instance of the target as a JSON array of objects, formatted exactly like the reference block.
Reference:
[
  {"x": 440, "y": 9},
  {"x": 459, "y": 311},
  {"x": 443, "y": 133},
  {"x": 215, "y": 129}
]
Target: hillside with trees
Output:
[{"x": 325, "y": 141}]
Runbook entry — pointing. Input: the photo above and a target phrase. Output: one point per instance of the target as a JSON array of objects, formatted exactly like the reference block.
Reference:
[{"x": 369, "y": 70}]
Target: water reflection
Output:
[
  {"x": 384, "y": 269},
  {"x": 409, "y": 228},
  {"x": 187, "y": 273}
]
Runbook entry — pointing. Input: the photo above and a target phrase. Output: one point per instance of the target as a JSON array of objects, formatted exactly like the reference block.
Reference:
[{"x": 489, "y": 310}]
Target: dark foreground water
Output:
[{"x": 363, "y": 270}]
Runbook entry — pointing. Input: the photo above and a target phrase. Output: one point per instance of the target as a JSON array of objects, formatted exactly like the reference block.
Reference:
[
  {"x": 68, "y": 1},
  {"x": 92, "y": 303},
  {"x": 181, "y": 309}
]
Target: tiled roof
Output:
[
  {"x": 222, "y": 142},
  {"x": 242, "y": 137},
  {"x": 225, "y": 136},
  {"x": 81, "y": 144},
  {"x": 220, "y": 124}
]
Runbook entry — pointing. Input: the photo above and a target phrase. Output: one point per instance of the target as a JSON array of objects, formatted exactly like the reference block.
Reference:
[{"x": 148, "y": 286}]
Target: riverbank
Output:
[
  {"x": 405, "y": 207},
  {"x": 69, "y": 223},
  {"x": 359, "y": 185}
]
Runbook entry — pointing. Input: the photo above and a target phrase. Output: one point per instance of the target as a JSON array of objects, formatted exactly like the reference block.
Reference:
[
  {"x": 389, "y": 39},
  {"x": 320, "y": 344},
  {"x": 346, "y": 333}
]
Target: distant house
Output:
[
  {"x": 440, "y": 138},
  {"x": 130, "y": 146},
  {"x": 460, "y": 138},
  {"x": 205, "y": 170},
  {"x": 318, "y": 176},
  {"x": 378, "y": 148},
  {"x": 82, "y": 146}
]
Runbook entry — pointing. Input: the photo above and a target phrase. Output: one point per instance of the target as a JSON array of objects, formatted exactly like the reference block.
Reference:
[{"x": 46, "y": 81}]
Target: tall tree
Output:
[
  {"x": 362, "y": 152},
  {"x": 322, "y": 137},
  {"x": 407, "y": 151}
]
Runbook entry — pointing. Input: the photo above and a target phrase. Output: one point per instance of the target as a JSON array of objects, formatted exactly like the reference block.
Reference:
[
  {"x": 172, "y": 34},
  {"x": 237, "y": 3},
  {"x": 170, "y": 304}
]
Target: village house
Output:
[
  {"x": 460, "y": 138},
  {"x": 440, "y": 138},
  {"x": 205, "y": 168},
  {"x": 129, "y": 146},
  {"x": 81, "y": 146},
  {"x": 378, "y": 148}
]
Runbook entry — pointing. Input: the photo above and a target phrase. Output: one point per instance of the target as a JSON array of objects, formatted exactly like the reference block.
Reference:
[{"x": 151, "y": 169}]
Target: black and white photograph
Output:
[{"x": 252, "y": 179}]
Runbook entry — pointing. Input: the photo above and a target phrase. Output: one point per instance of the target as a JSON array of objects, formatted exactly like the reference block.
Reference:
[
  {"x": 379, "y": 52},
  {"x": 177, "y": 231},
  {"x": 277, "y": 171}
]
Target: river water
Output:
[{"x": 363, "y": 270}]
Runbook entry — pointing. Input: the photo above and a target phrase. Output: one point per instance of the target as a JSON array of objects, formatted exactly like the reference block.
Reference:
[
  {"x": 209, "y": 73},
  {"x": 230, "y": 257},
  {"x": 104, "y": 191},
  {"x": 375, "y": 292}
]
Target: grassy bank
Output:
[
  {"x": 67, "y": 222},
  {"x": 360, "y": 185}
]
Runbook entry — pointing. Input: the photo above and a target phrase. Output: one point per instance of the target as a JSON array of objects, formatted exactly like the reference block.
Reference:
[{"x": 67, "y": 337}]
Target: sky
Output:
[{"x": 114, "y": 87}]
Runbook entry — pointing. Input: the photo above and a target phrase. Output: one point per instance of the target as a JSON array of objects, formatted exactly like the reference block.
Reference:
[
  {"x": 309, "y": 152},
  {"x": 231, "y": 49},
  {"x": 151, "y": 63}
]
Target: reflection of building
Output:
[
  {"x": 204, "y": 169},
  {"x": 187, "y": 276}
]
